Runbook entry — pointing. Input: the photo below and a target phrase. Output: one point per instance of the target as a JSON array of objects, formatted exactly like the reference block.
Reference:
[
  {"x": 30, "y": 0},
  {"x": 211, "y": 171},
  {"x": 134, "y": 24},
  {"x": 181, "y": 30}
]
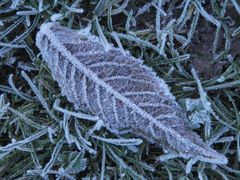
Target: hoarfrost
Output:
[{"x": 125, "y": 94}]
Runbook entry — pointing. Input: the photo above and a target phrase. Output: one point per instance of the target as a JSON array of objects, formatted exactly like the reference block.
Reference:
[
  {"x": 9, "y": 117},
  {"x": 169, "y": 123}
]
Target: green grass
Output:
[{"x": 192, "y": 45}]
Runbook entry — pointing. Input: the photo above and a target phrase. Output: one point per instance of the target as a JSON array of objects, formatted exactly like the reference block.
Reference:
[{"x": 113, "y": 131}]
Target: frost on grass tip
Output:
[{"x": 121, "y": 91}]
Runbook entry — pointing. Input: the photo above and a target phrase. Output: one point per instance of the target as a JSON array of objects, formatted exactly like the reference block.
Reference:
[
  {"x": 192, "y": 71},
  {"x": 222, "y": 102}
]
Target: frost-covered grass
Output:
[{"x": 192, "y": 44}]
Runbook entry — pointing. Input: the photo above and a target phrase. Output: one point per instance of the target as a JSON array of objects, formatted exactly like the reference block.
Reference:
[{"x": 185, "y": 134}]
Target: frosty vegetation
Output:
[
  {"x": 120, "y": 90},
  {"x": 124, "y": 123}
]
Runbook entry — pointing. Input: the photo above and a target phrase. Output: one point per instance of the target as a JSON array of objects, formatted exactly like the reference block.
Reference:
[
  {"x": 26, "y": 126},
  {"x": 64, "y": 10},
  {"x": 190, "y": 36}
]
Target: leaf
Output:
[{"x": 120, "y": 90}]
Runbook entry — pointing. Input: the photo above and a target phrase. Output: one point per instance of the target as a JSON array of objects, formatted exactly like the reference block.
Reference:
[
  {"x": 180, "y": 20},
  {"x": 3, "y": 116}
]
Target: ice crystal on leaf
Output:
[{"x": 116, "y": 87}]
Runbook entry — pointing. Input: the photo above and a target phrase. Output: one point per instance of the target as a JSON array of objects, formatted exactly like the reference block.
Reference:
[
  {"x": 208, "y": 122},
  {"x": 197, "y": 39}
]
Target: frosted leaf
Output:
[{"x": 125, "y": 94}]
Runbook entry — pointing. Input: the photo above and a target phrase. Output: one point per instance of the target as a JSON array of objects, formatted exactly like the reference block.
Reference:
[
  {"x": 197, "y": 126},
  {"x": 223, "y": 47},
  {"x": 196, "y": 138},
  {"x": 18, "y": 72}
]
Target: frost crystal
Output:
[
  {"x": 56, "y": 17},
  {"x": 125, "y": 94},
  {"x": 198, "y": 115}
]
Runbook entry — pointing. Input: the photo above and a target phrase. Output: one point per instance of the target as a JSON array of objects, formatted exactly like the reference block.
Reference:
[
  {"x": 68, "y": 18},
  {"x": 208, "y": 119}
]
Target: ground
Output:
[{"x": 175, "y": 38}]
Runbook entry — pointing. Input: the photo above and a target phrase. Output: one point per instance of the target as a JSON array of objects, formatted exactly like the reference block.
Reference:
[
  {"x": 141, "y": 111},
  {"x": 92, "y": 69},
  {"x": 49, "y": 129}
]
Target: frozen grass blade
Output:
[
  {"x": 39, "y": 96},
  {"x": 101, "y": 35},
  {"x": 158, "y": 20},
  {"x": 103, "y": 162},
  {"x": 190, "y": 164},
  {"x": 75, "y": 114},
  {"x": 3, "y": 106},
  {"x": 10, "y": 81},
  {"x": 99, "y": 124},
  {"x": 116, "y": 158},
  {"x": 40, "y": 5},
  {"x": 54, "y": 156},
  {"x": 205, "y": 14},
  {"x": 10, "y": 147},
  {"x": 4, "y": 154},
  {"x": 203, "y": 95},
  {"x": 192, "y": 29},
  {"x": 27, "y": 13},
  {"x": 12, "y": 45},
  {"x": 236, "y": 5},
  {"x": 181, "y": 20},
  {"x": 74, "y": 10},
  {"x": 81, "y": 142},
  {"x": 163, "y": 37},
  {"x": 25, "y": 119},
  {"x": 100, "y": 7},
  {"x": 21, "y": 37},
  {"x": 33, "y": 153},
  {"x": 118, "y": 42},
  {"x": 68, "y": 136},
  {"x": 138, "y": 41},
  {"x": 78, "y": 164},
  {"x": 236, "y": 32},
  {"x": 119, "y": 142},
  {"x": 15, "y": 3},
  {"x": 11, "y": 28}
]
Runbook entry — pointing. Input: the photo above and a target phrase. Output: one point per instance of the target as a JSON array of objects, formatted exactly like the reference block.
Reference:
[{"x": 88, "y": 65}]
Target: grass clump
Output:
[{"x": 193, "y": 45}]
